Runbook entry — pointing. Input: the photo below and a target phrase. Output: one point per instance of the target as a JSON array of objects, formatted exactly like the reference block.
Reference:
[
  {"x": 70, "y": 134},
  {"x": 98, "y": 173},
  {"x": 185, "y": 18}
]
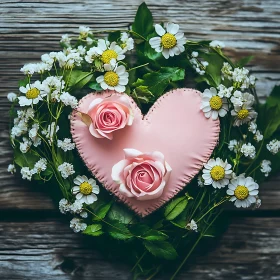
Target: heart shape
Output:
[{"x": 174, "y": 125}]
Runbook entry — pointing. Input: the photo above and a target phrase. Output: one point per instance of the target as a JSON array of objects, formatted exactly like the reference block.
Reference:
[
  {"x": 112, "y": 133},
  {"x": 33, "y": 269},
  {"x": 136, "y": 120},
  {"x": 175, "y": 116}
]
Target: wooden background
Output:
[{"x": 35, "y": 241}]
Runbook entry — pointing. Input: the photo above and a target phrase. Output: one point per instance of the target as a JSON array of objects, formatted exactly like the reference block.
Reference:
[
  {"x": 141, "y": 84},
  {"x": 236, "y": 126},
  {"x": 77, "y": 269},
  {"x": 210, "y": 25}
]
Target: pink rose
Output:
[
  {"x": 141, "y": 175},
  {"x": 108, "y": 115}
]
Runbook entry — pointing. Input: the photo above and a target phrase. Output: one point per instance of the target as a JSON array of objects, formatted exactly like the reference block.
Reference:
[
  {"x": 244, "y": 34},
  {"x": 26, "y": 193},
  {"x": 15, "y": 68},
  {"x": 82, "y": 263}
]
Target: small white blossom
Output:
[
  {"x": 69, "y": 100},
  {"x": 84, "y": 214},
  {"x": 192, "y": 225},
  {"x": 65, "y": 39},
  {"x": 84, "y": 31},
  {"x": 11, "y": 96},
  {"x": 127, "y": 42},
  {"x": 273, "y": 146},
  {"x": 258, "y": 136},
  {"x": 33, "y": 135},
  {"x": 26, "y": 173},
  {"x": 29, "y": 69},
  {"x": 258, "y": 203},
  {"x": 40, "y": 165},
  {"x": 194, "y": 54},
  {"x": 253, "y": 127},
  {"x": 76, "y": 207},
  {"x": 224, "y": 91},
  {"x": 50, "y": 131},
  {"x": 66, "y": 169},
  {"x": 11, "y": 168},
  {"x": 66, "y": 144},
  {"x": 77, "y": 225},
  {"x": 200, "y": 181},
  {"x": 25, "y": 145},
  {"x": 233, "y": 145},
  {"x": 64, "y": 205},
  {"x": 248, "y": 150},
  {"x": 266, "y": 167},
  {"x": 91, "y": 55},
  {"x": 217, "y": 44},
  {"x": 226, "y": 70},
  {"x": 89, "y": 40}
]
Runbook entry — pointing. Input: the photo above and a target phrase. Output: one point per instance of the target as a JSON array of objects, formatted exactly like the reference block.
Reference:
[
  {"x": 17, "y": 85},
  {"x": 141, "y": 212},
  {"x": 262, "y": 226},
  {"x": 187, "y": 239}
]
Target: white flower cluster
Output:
[
  {"x": 192, "y": 225},
  {"x": 11, "y": 168},
  {"x": 77, "y": 225},
  {"x": 40, "y": 165},
  {"x": 217, "y": 44},
  {"x": 66, "y": 169},
  {"x": 248, "y": 150},
  {"x": 239, "y": 76},
  {"x": 198, "y": 65},
  {"x": 66, "y": 144},
  {"x": 273, "y": 146},
  {"x": 266, "y": 167},
  {"x": 21, "y": 122},
  {"x": 74, "y": 208}
]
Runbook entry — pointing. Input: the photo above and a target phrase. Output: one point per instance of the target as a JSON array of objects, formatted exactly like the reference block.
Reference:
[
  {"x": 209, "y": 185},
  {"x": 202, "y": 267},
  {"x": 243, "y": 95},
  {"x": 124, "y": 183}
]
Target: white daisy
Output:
[
  {"x": 108, "y": 51},
  {"x": 115, "y": 77},
  {"x": 243, "y": 191},
  {"x": 213, "y": 105},
  {"x": 33, "y": 94},
  {"x": 217, "y": 173},
  {"x": 171, "y": 42},
  {"x": 243, "y": 114},
  {"x": 86, "y": 189}
]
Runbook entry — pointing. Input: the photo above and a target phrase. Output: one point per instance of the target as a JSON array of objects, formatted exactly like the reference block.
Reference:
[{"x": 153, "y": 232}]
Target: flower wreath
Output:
[{"x": 137, "y": 66}]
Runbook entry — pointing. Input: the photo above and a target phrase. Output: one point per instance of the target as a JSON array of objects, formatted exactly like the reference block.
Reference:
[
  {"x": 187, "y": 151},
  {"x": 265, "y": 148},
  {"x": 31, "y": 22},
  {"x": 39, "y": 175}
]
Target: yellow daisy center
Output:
[
  {"x": 216, "y": 103},
  {"x": 85, "y": 188},
  {"x": 108, "y": 55},
  {"x": 241, "y": 192},
  {"x": 32, "y": 93},
  {"x": 242, "y": 114},
  {"x": 168, "y": 41},
  {"x": 111, "y": 78},
  {"x": 217, "y": 173}
]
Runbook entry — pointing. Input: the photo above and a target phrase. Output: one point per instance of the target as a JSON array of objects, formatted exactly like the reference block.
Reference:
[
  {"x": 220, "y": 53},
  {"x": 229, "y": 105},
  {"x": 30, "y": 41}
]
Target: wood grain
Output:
[
  {"x": 31, "y": 249},
  {"x": 50, "y": 250}
]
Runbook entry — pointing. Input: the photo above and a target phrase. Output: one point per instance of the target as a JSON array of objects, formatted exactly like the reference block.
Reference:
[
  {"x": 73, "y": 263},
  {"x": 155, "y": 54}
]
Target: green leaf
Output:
[
  {"x": 101, "y": 210},
  {"x": 143, "y": 94},
  {"x": 121, "y": 214},
  {"x": 214, "y": 68},
  {"x": 139, "y": 229},
  {"x": 155, "y": 235},
  {"x": 274, "y": 97},
  {"x": 158, "y": 81},
  {"x": 95, "y": 86},
  {"x": 269, "y": 119},
  {"x": 161, "y": 249},
  {"x": 24, "y": 82},
  {"x": 78, "y": 78},
  {"x": 25, "y": 160},
  {"x": 143, "y": 22},
  {"x": 175, "y": 208},
  {"x": 119, "y": 231},
  {"x": 114, "y": 36},
  {"x": 244, "y": 61},
  {"x": 93, "y": 230}
]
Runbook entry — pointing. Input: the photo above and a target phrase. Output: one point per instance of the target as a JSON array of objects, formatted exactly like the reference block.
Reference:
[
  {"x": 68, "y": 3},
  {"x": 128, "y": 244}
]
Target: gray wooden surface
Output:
[{"x": 35, "y": 241}]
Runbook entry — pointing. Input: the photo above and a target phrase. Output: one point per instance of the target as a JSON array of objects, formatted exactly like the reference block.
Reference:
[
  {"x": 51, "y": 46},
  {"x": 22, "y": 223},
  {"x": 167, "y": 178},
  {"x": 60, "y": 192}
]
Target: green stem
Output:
[
  {"x": 143, "y": 65},
  {"x": 193, "y": 247},
  {"x": 138, "y": 261},
  {"x": 155, "y": 273}
]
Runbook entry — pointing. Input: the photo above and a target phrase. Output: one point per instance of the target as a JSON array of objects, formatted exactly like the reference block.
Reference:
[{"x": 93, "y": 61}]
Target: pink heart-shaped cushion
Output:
[{"x": 174, "y": 125}]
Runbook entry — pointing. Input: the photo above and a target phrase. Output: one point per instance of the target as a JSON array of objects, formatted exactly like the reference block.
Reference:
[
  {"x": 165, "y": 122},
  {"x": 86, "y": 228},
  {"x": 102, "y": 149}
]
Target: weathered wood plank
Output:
[{"x": 31, "y": 250}]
